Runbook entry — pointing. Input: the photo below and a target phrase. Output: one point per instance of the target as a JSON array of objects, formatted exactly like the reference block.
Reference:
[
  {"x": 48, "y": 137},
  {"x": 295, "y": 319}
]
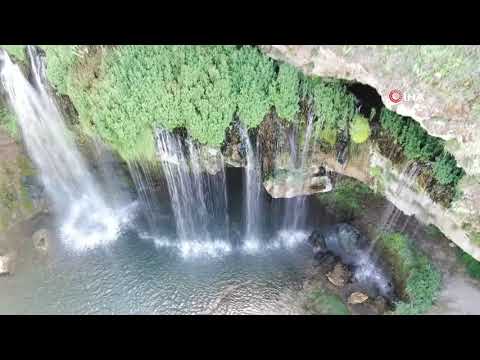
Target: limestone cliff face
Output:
[
  {"x": 21, "y": 196},
  {"x": 440, "y": 85},
  {"x": 441, "y": 90}
]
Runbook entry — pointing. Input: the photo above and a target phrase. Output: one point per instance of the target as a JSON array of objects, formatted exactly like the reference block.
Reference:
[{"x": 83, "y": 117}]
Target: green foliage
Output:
[
  {"x": 124, "y": 92},
  {"x": 392, "y": 123},
  {"x": 376, "y": 171},
  {"x": 17, "y": 51},
  {"x": 446, "y": 171},
  {"x": 334, "y": 106},
  {"x": 418, "y": 145},
  {"x": 328, "y": 135},
  {"x": 322, "y": 303},
  {"x": 472, "y": 265},
  {"x": 416, "y": 142},
  {"x": 60, "y": 60},
  {"x": 252, "y": 77},
  {"x": 285, "y": 94},
  {"x": 347, "y": 197},
  {"x": 8, "y": 121},
  {"x": 359, "y": 129},
  {"x": 422, "y": 280},
  {"x": 398, "y": 248}
]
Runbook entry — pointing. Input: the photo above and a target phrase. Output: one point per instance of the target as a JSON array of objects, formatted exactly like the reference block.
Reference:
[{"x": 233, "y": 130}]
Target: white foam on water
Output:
[
  {"x": 191, "y": 248},
  {"x": 86, "y": 219}
]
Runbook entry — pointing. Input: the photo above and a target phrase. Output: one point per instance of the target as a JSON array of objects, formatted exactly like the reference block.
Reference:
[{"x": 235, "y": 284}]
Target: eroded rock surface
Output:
[
  {"x": 41, "y": 240},
  {"x": 7, "y": 262},
  {"x": 440, "y": 84}
]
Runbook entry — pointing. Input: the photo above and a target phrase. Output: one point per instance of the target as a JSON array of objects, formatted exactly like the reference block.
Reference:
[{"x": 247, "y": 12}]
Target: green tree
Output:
[
  {"x": 359, "y": 129},
  {"x": 285, "y": 93}
]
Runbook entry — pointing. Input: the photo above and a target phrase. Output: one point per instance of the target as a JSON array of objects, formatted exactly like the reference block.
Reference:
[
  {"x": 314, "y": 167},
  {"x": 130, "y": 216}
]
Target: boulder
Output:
[
  {"x": 317, "y": 241},
  {"x": 357, "y": 298},
  {"x": 41, "y": 239},
  {"x": 7, "y": 262},
  {"x": 339, "y": 276}
]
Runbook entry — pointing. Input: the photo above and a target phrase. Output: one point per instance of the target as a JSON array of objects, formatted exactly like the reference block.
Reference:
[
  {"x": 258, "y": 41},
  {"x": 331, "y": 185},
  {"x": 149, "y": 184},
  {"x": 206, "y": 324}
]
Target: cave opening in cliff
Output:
[{"x": 368, "y": 98}]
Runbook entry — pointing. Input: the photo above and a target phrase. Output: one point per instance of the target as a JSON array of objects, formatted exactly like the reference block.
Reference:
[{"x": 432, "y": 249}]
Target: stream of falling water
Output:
[
  {"x": 296, "y": 209},
  {"x": 86, "y": 219},
  {"x": 252, "y": 189},
  {"x": 389, "y": 220},
  {"x": 199, "y": 202}
]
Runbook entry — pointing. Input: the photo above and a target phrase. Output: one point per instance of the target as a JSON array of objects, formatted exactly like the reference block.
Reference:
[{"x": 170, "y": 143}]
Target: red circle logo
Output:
[{"x": 395, "y": 96}]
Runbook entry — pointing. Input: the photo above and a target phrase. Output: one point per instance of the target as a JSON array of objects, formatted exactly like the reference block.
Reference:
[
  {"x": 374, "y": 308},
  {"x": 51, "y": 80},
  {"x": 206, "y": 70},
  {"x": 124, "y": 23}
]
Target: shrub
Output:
[
  {"x": 124, "y": 92},
  {"x": 418, "y": 145},
  {"x": 252, "y": 77},
  {"x": 421, "y": 279},
  {"x": 60, "y": 61},
  {"x": 285, "y": 93},
  {"x": 472, "y": 265},
  {"x": 321, "y": 302},
  {"x": 334, "y": 105},
  {"x": 8, "y": 121},
  {"x": 328, "y": 135},
  {"x": 17, "y": 51},
  {"x": 359, "y": 129},
  {"x": 445, "y": 170},
  {"x": 347, "y": 197}
]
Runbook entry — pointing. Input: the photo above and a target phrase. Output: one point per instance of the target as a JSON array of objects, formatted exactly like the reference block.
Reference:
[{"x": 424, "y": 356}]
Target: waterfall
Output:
[
  {"x": 199, "y": 201},
  {"x": 143, "y": 175},
  {"x": 252, "y": 190},
  {"x": 86, "y": 221},
  {"x": 406, "y": 180},
  {"x": 296, "y": 208}
]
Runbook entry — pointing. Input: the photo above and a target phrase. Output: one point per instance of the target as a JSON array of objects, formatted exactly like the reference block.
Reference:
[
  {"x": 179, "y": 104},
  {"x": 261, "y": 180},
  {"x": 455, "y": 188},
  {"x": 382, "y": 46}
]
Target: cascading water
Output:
[
  {"x": 88, "y": 220},
  {"x": 199, "y": 201},
  {"x": 252, "y": 190},
  {"x": 296, "y": 209},
  {"x": 389, "y": 220},
  {"x": 142, "y": 174},
  {"x": 406, "y": 180}
]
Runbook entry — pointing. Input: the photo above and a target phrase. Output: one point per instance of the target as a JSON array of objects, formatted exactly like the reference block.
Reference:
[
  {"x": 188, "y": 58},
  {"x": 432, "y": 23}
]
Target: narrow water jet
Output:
[
  {"x": 198, "y": 200},
  {"x": 142, "y": 174},
  {"x": 87, "y": 220},
  {"x": 296, "y": 208},
  {"x": 252, "y": 190}
]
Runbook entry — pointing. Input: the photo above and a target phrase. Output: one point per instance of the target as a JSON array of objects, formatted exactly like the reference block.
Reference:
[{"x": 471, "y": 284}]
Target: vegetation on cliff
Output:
[
  {"x": 17, "y": 51},
  {"x": 418, "y": 145},
  {"x": 414, "y": 272},
  {"x": 121, "y": 91},
  {"x": 472, "y": 266},
  {"x": 359, "y": 129},
  {"x": 7, "y": 121},
  {"x": 321, "y": 302},
  {"x": 347, "y": 198}
]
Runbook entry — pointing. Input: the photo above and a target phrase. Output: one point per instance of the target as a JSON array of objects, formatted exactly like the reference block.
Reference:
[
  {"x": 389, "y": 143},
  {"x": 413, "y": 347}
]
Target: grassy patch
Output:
[
  {"x": 322, "y": 303},
  {"x": 413, "y": 271},
  {"x": 359, "y": 129},
  {"x": 347, "y": 197},
  {"x": 472, "y": 265},
  {"x": 8, "y": 121},
  {"x": 17, "y": 51}
]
